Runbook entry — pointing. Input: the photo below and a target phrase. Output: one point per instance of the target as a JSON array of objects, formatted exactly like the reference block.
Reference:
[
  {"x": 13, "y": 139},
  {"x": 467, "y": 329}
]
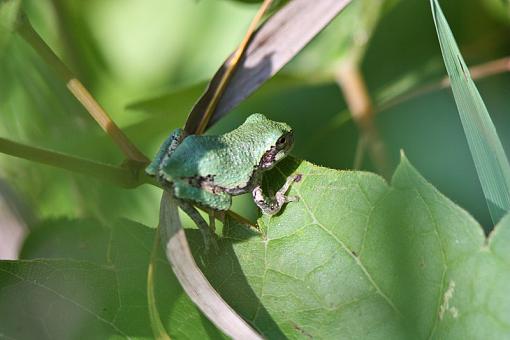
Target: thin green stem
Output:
[
  {"x": 124, "y": 176},
  {"x": 130, "y": 151},
  {"x": 478, "y": 72}
]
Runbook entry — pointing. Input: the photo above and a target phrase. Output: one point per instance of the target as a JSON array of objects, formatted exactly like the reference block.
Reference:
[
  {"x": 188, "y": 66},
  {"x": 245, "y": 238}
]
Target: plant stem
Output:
[
  {"x": 123, "y": 176},
  {"x": 353, "y": 86},
  {"x": 481, "y": 71},
  {"x": 79, "y": 91}
]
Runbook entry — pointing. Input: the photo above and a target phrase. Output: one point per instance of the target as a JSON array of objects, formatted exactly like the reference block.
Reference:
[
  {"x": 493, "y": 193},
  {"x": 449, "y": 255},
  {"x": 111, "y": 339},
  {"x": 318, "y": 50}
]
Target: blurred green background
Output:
[{"x": 148, "y": 61}]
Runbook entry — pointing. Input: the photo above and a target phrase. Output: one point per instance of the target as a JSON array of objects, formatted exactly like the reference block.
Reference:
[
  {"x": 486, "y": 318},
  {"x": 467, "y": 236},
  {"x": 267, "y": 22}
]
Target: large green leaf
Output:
[
  {"x": 79, "y": 279},
  {"x": 354, "y": 258},
  {"x": 357, "y": 258}
]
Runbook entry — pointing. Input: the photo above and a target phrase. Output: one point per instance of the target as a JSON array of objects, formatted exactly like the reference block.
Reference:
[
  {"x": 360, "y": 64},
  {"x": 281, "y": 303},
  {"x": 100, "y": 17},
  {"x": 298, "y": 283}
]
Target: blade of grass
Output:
[{"x": 486, "y": 149}]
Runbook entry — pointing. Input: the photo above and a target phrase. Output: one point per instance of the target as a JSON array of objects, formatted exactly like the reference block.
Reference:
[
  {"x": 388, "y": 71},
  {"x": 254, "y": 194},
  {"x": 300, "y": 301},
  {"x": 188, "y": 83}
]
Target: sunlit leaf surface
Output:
[
  {"x": 365, "y": 259},
  {"x": 354, "y": 256}
]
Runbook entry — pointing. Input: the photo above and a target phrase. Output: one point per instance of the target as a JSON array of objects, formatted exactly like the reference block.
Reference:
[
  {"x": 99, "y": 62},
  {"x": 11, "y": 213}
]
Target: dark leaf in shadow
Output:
[{"x": 275, "y": 43}]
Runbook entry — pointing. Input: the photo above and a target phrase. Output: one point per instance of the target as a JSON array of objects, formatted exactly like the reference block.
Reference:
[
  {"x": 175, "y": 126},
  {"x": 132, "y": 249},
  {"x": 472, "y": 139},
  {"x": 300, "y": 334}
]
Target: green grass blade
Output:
[{"x": 486, "y": 149}]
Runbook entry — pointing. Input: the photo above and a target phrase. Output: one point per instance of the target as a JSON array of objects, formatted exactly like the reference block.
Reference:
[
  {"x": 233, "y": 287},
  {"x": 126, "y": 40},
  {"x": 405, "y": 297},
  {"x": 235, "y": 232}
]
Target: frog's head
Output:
[{"x": 276, "y": 138}]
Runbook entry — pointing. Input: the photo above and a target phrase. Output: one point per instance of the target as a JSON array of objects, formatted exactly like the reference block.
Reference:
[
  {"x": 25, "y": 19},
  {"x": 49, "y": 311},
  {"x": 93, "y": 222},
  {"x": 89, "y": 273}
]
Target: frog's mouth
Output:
[{"x": 277, "y": 152}]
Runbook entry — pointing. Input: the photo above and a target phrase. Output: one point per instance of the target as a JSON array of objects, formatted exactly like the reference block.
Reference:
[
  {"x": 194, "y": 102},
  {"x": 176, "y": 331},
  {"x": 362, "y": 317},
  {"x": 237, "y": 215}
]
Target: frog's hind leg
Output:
[
  {"x": 207, "y": 233},
  {"x": 217, "y": 201}
]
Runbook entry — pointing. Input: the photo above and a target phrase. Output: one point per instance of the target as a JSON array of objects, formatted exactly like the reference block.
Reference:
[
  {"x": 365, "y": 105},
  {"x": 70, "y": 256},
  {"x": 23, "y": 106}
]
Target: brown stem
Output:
[
  {"x": 130, "y": 151},
  {"x": 481, "y": 71},
  {"x": 359, "y": 154},
  {"x": 234, "y": 61},
  {"x": 353, "y": 86}
]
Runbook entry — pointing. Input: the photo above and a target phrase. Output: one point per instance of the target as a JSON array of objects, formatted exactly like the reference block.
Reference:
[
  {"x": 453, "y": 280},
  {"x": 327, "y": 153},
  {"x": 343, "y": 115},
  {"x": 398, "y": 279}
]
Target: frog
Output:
[{"x": 207, "y": 170}]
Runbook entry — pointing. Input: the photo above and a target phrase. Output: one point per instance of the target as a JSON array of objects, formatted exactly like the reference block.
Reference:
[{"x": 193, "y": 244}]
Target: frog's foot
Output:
[
  {"x": 273, "y": 206},
  {"x": 208, "y": 235}
]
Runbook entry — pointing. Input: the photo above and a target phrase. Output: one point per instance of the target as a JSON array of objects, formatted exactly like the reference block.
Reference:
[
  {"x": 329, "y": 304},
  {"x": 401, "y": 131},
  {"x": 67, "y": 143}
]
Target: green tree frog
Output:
[{"x": 209, "y": 170}]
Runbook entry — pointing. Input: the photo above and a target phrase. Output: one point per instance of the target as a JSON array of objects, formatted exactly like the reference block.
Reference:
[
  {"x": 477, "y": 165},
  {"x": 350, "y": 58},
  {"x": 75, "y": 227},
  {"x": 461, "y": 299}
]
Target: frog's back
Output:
[
  {"x": 210, "y": 157},
  {"x": 189, "y": 158},
  {"x": 229, "y": 160}
]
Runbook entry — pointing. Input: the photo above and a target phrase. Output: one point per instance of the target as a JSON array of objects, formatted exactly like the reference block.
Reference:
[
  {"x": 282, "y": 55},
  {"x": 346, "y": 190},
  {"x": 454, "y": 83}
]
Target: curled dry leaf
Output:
[
  {"x": 191, "y": 278},
  {"x": 275, "y": 43}
]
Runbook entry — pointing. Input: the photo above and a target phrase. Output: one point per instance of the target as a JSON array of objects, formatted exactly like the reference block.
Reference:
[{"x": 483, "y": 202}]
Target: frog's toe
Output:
[{"x": 291, "y": 199}]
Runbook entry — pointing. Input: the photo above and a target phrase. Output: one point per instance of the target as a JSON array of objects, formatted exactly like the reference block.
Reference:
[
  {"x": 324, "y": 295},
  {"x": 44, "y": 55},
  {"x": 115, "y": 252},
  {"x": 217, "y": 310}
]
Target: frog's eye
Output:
[{"x": 281, "y": 141}]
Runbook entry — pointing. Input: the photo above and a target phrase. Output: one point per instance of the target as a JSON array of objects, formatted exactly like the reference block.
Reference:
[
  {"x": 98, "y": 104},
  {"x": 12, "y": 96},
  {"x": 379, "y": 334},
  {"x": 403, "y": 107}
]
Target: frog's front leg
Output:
[
  {"x": 271, "y": 206},
  {"x": 187, "y": 193},
  {"x": 207, "y": 233}
]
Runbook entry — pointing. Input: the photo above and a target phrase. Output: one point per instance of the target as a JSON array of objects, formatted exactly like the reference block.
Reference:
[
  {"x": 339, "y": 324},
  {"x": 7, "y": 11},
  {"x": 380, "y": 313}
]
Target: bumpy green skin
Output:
[{"x": 210, "y": 169}]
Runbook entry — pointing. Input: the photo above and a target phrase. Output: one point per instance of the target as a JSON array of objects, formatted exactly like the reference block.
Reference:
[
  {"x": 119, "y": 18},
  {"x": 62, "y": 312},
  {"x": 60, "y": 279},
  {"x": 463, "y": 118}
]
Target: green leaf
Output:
[
  {"x": 355, "y": 256},
  {"x": 9, "y": 10},
  {"x": 360, "y": 258},
  {"x": 79, "y": 279},
  {"x": 486, "y": 149}
]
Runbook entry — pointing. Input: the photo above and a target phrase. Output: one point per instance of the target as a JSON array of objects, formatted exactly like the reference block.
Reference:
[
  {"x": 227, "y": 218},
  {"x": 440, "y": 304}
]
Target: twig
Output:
[
  {"x": 121, "y": 176},
  {"x": 234, "y": 61},
  {"x": 353, "y": 86},
  {"x": 130, "y": 151},
  {"x": 239, "y": 219},
  {"x": 359, "y": 154},
  {"x": 481, "y": 71}
]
